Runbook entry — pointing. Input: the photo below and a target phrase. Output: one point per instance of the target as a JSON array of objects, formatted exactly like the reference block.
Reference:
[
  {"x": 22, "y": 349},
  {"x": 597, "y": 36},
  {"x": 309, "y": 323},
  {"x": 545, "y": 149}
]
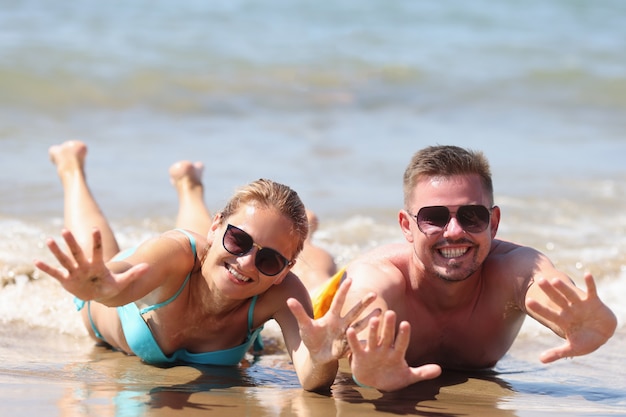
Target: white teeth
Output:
[
  {"x": 452, "y": 252},
  {"x": 238, "y": 275}
]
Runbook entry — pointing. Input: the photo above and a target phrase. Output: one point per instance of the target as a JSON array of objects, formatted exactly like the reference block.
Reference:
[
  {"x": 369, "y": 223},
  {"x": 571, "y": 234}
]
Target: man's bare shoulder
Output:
[
  {"x": 505, "y": 251},
  {"x": 388, "y": 261},
  {"x": 510, "y": 262}
]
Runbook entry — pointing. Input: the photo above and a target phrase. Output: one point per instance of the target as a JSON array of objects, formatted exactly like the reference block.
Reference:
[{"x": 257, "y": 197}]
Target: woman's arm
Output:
[
  {"x": 115, "y": 283},
  {"x": 315, "y": 346}
]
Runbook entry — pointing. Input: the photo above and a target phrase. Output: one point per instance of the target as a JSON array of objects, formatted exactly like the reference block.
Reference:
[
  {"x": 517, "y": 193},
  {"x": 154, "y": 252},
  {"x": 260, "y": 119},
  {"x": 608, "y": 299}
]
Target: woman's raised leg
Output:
[{"x": 81, "y": 211}]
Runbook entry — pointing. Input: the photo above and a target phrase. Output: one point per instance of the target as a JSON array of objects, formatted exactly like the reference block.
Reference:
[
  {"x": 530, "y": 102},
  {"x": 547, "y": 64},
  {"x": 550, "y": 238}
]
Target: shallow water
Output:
[{"x": 49, "y": 374}]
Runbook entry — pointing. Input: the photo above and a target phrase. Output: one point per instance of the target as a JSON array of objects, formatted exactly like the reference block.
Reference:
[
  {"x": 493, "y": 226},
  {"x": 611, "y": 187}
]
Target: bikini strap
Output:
[
  {"x": 93, "y": 325},
  {"x": 251, "y": 313},
  {"x": 173, "y": 297},
  {"x": 257, "y": 344},
  {"x": 192, "y": 240}
]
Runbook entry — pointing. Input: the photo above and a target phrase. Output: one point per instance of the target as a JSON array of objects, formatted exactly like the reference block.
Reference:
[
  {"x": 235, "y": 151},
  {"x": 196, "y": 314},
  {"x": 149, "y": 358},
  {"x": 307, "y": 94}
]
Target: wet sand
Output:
[{"x": 47, "y": 374}]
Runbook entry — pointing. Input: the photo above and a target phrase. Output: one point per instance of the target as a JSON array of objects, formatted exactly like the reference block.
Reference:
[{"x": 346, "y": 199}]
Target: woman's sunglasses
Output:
[
  {"x": 268, "y": 261},
  {"x": 433, "y": 219}
]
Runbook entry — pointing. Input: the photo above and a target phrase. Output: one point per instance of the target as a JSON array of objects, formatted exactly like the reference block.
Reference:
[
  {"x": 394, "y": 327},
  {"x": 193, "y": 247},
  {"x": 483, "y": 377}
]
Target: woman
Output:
[{"x": 196, "y": 298}]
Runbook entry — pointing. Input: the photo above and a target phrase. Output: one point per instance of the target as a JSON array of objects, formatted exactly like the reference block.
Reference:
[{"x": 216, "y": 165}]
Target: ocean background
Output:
[{"x": 331, "y": 98}]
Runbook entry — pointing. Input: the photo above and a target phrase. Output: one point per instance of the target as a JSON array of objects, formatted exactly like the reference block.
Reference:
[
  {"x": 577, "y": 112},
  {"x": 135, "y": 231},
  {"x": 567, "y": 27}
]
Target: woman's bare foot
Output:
[
  {"x": 192, "y": 211},
  {"x": 68, "y": 157},
  {"x": 315, "y": 265},
  {"x": 185, "y": 175},
  {"x": 313, "y": 222}
]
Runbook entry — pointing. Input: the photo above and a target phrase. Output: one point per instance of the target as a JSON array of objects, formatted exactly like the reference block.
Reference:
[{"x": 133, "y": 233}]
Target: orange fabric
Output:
[{"x": 324, "y": 295}]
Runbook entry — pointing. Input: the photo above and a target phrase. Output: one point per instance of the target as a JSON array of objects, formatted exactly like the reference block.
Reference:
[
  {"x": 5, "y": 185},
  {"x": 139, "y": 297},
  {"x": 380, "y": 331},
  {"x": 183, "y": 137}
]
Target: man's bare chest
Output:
[{"x": 474, "y": 339}]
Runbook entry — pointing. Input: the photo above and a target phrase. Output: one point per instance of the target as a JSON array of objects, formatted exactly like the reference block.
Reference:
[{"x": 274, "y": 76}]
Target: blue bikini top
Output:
[{"x": 141, "y": 340}]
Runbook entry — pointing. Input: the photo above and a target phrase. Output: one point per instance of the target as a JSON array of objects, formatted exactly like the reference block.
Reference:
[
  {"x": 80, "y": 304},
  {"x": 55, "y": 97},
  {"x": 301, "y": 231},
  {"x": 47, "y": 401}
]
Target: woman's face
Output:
[{"x": 267, "y": 241}]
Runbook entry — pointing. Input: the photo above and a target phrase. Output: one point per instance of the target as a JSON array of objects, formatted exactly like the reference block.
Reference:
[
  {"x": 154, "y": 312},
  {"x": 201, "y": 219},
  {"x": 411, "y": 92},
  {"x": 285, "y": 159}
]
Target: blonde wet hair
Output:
[
  {"x": 272, "y": 195},
  {"x": 446, "y": 161}
]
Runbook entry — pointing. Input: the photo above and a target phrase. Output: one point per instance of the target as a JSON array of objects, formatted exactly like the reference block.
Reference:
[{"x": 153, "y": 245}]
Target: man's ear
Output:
[
  {"x": 495, "y": 220},
  {"x": 405, "y": 220}
]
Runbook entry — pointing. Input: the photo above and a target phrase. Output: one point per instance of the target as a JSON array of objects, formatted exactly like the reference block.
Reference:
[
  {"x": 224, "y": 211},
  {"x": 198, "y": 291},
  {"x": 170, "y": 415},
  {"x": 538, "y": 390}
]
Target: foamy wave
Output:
[
  {"x": 611, "y": 290},
  {"x": 31, "y": 297},
  {"x": 40, "y": 303}
]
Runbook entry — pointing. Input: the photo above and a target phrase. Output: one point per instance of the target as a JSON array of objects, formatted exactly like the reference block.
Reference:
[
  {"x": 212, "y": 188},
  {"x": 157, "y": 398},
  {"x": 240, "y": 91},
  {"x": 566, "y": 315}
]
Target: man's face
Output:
[{"x": 455, "y": 232}]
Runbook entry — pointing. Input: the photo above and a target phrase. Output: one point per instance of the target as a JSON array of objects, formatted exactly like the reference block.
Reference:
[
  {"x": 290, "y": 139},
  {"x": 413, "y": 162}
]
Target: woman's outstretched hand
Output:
[
  {"x": 87, "y": 278},
  {"x": 325, "y": 338}
]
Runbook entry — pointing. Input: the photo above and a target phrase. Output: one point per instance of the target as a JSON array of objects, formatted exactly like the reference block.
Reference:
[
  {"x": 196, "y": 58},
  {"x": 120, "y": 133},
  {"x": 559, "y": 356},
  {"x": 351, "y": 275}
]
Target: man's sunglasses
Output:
[
  {"x": 268, "y": 261},
  {"x": 433, "y": 219}
]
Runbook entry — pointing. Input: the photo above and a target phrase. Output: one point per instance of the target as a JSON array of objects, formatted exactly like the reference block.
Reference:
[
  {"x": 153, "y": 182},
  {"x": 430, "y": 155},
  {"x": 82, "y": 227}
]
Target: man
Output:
[{"x": 460, "y": 295}]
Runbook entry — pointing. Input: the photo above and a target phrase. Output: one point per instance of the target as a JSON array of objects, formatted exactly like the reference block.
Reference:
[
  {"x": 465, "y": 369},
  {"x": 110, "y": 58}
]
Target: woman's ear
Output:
[
  {"x": 217, "y": 222},
  {"x": 280, "y": 279},
  {"x": 282, "y": 275}
]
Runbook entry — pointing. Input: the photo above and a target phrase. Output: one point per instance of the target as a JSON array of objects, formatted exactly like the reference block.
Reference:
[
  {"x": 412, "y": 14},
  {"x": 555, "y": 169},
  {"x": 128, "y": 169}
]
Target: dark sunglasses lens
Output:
[
  {"x": 432, "y": 219},
  {"x": 473, "y": 219},
  {"x": 236, "y": 241},
  {"x": 269, "y": 262}
]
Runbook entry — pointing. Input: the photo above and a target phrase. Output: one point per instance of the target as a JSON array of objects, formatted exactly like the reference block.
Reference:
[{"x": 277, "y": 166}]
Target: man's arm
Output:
[
  {"x": 377, "y": 354},
  {"x": 578, "y": 316}
]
